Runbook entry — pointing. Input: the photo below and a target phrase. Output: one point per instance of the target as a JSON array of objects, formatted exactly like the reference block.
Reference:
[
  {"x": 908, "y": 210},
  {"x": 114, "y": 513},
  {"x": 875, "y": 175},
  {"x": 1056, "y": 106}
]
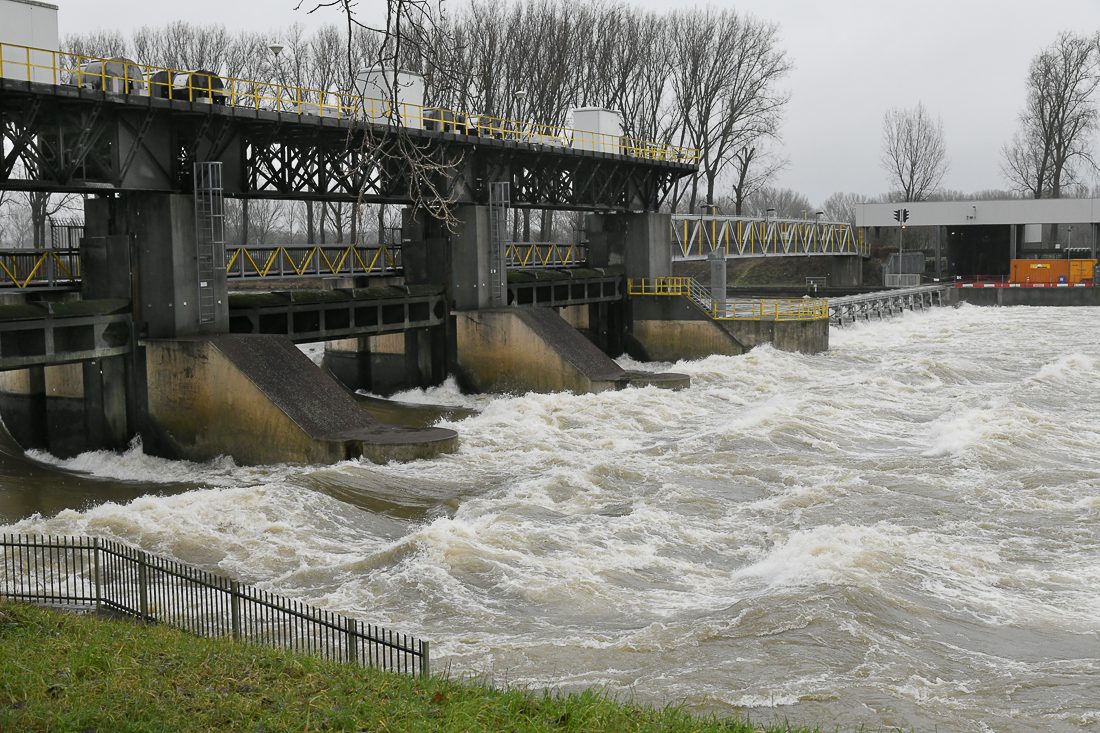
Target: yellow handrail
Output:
[
  {"x": 341, "y": 103},
  {"x": 802, "y": 309}
]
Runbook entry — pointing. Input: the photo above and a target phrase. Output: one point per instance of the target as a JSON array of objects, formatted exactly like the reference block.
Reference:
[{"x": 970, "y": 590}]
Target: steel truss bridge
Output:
[
  {"x": 99, "y": 133},
  {"x": 695, "y": 237}
]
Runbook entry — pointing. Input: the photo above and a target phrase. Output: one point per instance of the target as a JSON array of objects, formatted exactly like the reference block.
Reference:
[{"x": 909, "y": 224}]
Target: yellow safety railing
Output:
[
  {"x": 544, "y": 254},
  {"x": 23, "y": 268},
  {"x": 803, "y": 309},
  {"x": 658, "y": 285},
  {"x": 291, "y": 261},
  {"x": 780, "y": 310},
  {"x": 126, "y": 77}
]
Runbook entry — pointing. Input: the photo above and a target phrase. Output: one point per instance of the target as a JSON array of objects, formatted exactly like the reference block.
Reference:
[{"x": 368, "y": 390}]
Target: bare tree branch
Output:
[{"x": 914, "y": 153}]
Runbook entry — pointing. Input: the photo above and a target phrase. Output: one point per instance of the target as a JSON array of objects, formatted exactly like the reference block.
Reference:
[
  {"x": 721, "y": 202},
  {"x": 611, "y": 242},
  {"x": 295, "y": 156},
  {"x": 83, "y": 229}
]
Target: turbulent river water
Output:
[{"x": 900, "y": 532}]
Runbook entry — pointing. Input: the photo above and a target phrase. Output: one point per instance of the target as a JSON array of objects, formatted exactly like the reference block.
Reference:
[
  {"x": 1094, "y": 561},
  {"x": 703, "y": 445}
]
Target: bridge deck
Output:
[{"x": 81, "y": 140}]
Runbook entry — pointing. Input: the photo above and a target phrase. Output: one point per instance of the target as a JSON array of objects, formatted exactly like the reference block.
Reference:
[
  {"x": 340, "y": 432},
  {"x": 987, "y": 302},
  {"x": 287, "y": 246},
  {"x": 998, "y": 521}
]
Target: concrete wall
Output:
[
  {"x": 845, "y": 271},
  {"x": 1026, "y": 296},
  {"x": 23, "y": 406},
  {"x": 806, "y": 337},
  {"x": 65, "y": 409},
  {"x": 672, "y": 328},
  {"x": 690, "y": 333},
  {"x": 687, "y": 340}
]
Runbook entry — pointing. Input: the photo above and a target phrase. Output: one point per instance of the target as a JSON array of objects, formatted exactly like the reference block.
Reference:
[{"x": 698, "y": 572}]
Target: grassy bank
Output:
[{"x": 61, "y": 672}]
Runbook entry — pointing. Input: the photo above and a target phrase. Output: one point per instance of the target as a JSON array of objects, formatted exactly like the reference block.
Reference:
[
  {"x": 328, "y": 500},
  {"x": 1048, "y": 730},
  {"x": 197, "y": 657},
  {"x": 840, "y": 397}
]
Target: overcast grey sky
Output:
[{"x": 854, "y": 59}]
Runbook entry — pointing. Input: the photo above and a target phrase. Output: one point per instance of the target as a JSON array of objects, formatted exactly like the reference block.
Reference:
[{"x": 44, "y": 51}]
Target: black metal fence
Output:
[{"x": 92, "y": 571}]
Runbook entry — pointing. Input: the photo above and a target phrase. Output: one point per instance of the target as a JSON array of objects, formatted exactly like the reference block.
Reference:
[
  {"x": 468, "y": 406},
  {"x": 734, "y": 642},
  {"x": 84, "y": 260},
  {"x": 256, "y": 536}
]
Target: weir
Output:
[{"x": 153, "y": 335}]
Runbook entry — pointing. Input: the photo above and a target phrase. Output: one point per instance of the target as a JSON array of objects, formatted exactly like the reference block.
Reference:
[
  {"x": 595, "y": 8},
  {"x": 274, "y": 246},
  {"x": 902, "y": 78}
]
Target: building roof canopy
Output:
[{"x": 982, "y": 213}]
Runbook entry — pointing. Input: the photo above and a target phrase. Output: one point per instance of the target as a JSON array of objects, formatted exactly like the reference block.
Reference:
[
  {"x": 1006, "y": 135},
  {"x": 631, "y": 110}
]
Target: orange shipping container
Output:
[
  {"x": 1040, "y": 271},
  {"x": 1080, "y": 271}
]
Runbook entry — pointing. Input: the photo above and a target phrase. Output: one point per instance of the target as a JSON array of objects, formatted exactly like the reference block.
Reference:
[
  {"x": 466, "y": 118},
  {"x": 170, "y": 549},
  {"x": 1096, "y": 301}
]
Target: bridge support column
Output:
[
  {"x": 638, "y": 243},
  {"x": 470, "y": 281},
  {"x": 163, "y": 259}
]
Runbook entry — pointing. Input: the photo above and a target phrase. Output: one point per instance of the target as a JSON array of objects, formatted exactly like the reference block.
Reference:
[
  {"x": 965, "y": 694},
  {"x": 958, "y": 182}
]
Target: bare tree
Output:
[
  {"x": 784, "y": 203},
  {"x": 842, "y": 206},
  {"x": 1058, "y": 120},
  {"x": 724, "y": 85},
  {"x": 914, "y": 152},
  {"x": 753, "y": 167}
]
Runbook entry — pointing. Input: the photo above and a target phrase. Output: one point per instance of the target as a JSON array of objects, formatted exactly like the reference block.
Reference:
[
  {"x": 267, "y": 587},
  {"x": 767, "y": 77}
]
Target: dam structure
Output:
[{"x": 131, "y": 326}]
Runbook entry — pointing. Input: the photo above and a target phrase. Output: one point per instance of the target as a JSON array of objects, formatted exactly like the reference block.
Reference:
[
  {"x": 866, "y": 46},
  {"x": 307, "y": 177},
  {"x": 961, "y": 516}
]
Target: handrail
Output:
[
  {"x": 521, "y": 255},
  {"x": 23, "y": 268},
  {"x": 803, "y": 309},
  {"x": 198, "y": 86},
  {"x": 288, "y": 260}
]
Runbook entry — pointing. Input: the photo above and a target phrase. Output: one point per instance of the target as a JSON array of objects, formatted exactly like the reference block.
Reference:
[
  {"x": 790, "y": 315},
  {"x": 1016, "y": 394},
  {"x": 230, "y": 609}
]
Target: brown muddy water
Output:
[{"x": 900, "y": 532}]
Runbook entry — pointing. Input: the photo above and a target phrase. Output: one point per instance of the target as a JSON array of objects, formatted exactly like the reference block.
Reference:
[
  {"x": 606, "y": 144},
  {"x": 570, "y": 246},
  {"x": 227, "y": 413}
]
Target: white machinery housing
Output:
[
  {"x": 34, "y": 25},
  {"x": 597, "y": 128},
  {"x": 376, "y": 87}
]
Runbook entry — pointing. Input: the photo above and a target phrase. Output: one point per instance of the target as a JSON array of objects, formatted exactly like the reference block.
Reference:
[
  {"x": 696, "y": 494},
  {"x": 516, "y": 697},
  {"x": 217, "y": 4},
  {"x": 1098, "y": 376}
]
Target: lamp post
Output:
[
  {"x": 520, "y": 95},
  {"x": 276, "y": 49}
]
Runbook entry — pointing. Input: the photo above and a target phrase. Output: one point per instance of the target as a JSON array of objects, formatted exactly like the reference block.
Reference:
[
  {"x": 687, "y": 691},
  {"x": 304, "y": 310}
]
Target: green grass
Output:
[{"x": 61, "y": 672}]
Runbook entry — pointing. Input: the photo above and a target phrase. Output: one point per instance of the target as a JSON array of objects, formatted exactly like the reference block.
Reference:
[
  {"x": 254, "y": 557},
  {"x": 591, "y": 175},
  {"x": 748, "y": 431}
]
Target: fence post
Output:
[
  {"x": 95, "y": 570},
  {"x": 353, "y": 646},
  {"x": 143, "y": 588},
  {"x": 425, "y": 659},
  {"x": 235, "y": 608}
]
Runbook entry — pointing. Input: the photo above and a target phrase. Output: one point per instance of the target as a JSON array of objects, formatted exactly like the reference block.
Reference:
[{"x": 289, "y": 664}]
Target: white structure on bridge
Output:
[{"x": 695, "y": 237}]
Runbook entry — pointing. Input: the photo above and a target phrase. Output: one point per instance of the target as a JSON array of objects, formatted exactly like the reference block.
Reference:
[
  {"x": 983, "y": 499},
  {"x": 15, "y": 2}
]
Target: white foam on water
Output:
[
  {"x": 896, "y": 523},
  {"x": 135, "y": 465}
]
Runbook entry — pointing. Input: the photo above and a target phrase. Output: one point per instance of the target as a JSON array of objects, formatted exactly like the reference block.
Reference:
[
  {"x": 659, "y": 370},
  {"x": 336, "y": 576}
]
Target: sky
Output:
[{"x": 854, "y": 59}]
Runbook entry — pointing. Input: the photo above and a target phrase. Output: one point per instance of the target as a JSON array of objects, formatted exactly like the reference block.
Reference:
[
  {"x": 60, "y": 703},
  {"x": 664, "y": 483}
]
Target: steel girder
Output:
[{"x": 78, "y": 140}]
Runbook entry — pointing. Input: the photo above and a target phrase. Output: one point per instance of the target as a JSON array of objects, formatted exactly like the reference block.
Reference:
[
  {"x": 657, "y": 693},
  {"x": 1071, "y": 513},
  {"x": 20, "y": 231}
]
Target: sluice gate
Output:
[
  {"x": 152, "y": 324},
  {"x": 852, "y": 308}
]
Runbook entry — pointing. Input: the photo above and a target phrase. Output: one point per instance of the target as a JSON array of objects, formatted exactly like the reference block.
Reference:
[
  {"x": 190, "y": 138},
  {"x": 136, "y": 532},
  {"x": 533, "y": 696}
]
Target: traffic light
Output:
[{"x": 901, "y": 215}]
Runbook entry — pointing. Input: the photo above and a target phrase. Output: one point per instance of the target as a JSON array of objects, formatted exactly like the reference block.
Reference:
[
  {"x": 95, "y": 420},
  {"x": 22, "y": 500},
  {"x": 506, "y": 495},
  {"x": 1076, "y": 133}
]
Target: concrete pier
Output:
[
  {"x": 535, "y": 349},
  {"x": 260, "y": 400}
]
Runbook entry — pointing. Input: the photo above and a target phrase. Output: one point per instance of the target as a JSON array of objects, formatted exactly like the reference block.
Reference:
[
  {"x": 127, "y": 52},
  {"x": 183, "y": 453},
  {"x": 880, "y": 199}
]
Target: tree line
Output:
[{"x": 703, "y": 78}]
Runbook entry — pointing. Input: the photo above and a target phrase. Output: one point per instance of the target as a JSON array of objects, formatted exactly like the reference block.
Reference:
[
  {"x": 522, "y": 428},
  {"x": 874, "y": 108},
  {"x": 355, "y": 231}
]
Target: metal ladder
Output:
[
  {"x": 209, "y": 234},
  {"x": 499, "y": 203}
]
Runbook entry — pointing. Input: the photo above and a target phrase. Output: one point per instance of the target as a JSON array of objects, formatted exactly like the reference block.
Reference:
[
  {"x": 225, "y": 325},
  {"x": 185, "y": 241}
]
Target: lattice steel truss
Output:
[{"x": 62, "y": 138}]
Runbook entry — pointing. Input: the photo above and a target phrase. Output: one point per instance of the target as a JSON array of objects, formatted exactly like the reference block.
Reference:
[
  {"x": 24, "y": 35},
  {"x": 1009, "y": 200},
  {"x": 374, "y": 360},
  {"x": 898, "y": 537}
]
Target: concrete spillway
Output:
[
  {"x": 260, "y": 400},
  {"x": 525, "y": 349}
]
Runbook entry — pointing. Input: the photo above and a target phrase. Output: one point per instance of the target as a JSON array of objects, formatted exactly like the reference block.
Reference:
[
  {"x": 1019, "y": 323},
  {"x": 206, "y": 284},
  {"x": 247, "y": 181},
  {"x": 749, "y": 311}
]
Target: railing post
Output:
[
  {"x": 95, "y": 571},
  {"x": 425, "y": 659},
  {"x": 235, "y": 608},
  {"x": 143, "y": 589},
  {"x": 352, "y": 643}
]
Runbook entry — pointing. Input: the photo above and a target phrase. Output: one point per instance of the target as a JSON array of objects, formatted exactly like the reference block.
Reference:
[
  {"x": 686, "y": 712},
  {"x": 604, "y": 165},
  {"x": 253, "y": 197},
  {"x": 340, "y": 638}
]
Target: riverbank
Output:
[{"x": 63, "y": 672}]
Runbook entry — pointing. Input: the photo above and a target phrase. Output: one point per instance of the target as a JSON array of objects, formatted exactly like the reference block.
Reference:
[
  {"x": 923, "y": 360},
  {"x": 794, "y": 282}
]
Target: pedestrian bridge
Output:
[{"x": 695, "y": 237}]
